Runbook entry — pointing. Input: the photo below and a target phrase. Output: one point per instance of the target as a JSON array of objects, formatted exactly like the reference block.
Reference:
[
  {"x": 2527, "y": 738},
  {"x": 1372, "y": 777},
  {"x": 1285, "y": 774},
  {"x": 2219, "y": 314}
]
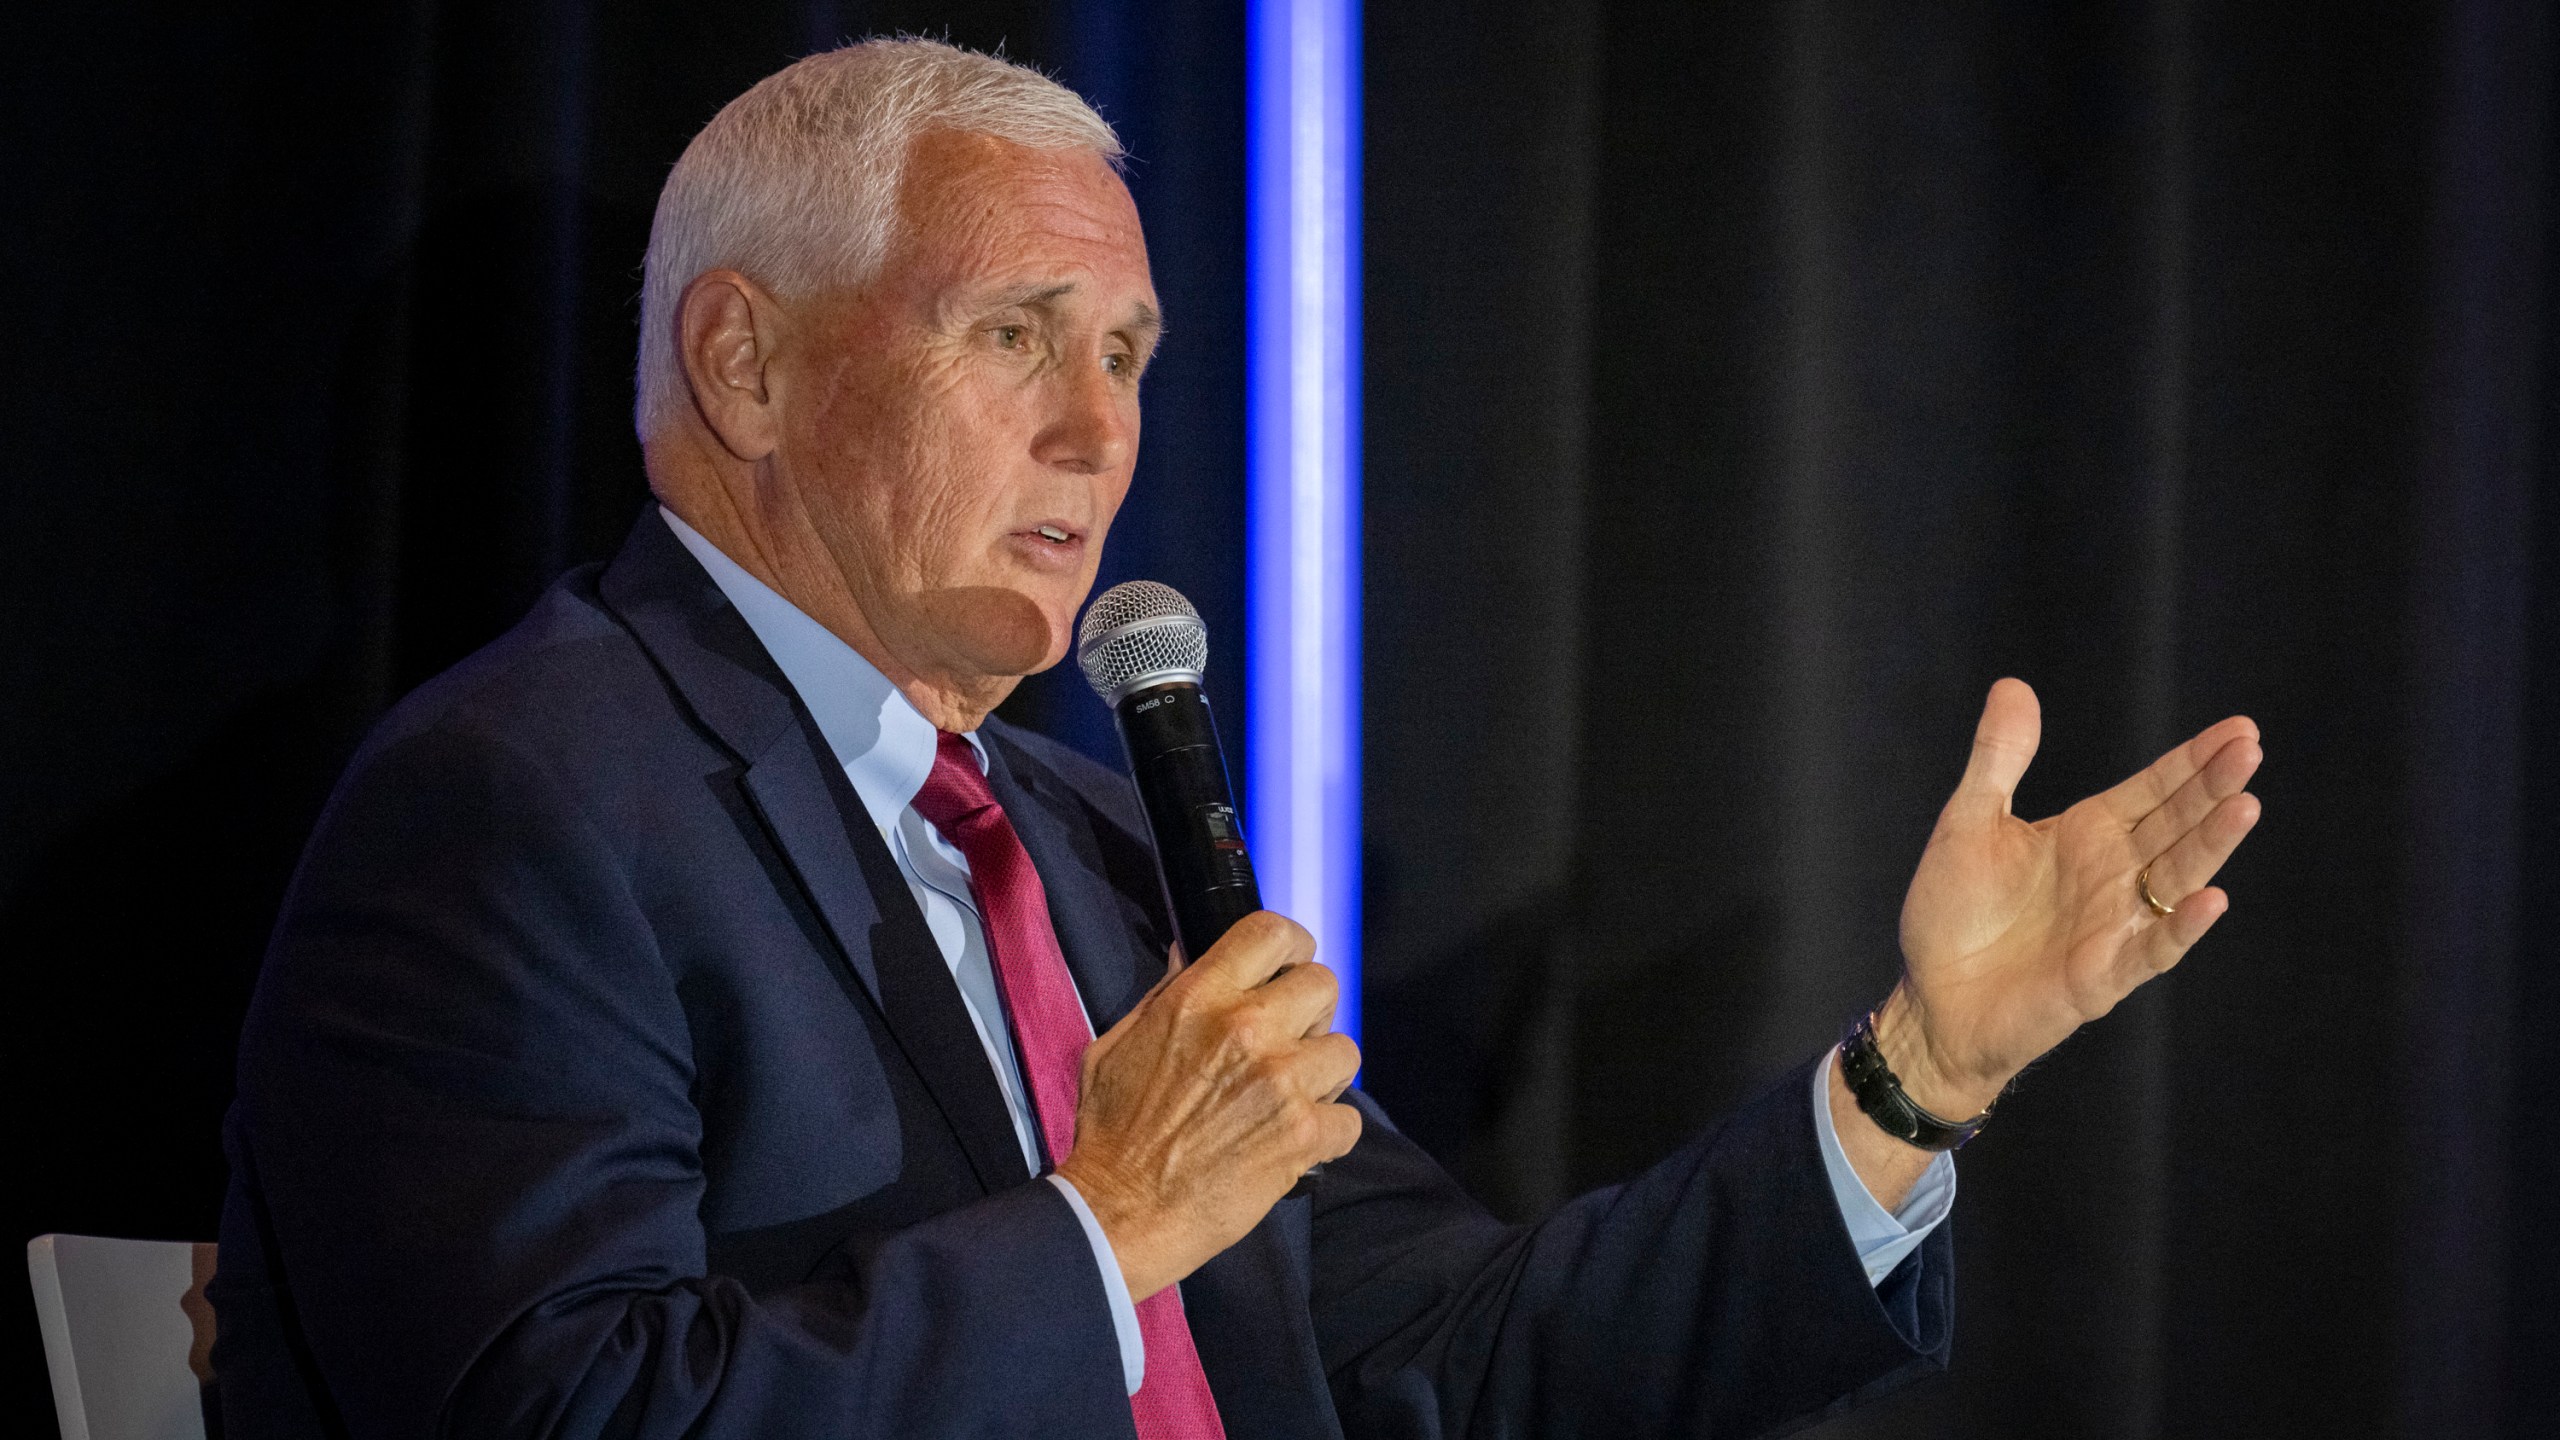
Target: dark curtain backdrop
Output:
[{"x": 1748, "y": 385}]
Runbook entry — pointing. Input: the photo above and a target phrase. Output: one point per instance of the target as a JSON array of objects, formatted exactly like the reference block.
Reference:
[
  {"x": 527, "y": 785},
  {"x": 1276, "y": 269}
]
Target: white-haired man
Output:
[{"x": 684, "y": 1020}]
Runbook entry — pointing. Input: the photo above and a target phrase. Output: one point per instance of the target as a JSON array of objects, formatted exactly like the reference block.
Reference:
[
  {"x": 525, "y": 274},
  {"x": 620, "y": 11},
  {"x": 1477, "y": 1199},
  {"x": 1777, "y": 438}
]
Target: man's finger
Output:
[
  {"x": 2166, "y": 943},
  {"x": 2197, "y": 856},
  {"x": 1297, "y": 1002},
  {"x": 2003, "y": 743},
  {"x": 1326, "y": 1065},
  {"x": 1338, "y": 1128},
  {"x": 2140, "y": 794},
  {"x": 2222, "y": 777},
  {"x": 1256, "y": 948}
]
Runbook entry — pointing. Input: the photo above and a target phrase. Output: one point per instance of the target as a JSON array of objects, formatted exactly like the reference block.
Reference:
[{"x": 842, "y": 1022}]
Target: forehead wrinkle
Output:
[
  {"x": 970, "y": 218},
  {"x": 1002, "y": 209}
]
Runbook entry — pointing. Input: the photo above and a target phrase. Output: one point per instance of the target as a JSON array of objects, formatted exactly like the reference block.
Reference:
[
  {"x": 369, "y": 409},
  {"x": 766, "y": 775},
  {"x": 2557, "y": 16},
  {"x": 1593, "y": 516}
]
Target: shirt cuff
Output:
[
  {"x": 1124, "y": 1311},
  {"x": 1883, "y": 1238}
]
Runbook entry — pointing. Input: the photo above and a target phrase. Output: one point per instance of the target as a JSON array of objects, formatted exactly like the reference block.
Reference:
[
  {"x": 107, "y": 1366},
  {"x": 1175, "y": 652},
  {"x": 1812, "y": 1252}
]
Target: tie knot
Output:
[{"x": 956, "y": 789}]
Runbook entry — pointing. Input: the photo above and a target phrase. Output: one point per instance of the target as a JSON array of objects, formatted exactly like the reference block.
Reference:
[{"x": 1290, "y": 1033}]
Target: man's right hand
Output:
[{"x": 1209, "y": 1099}]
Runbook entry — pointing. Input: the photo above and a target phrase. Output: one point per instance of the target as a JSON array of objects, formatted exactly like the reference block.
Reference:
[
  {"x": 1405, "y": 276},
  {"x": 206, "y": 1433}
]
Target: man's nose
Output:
[{"x": 1091, "y": 431}]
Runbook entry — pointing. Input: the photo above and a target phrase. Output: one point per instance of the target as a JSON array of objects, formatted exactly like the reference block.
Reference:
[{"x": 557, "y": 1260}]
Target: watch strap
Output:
[{"x": 1882, "y": 1099}]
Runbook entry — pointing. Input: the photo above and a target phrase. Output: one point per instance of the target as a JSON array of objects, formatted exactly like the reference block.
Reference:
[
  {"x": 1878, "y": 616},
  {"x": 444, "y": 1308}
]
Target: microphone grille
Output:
[{"x": 1139, "y": 632}]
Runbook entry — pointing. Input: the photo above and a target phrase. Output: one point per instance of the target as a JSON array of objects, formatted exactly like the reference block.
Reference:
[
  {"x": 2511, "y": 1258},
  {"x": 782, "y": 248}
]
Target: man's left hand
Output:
[{"x": 2014, "y": 934}]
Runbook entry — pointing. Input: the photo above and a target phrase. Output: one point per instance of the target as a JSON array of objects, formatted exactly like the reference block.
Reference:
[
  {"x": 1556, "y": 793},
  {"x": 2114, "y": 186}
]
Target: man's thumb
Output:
[{"x": 2003, "y": 744}]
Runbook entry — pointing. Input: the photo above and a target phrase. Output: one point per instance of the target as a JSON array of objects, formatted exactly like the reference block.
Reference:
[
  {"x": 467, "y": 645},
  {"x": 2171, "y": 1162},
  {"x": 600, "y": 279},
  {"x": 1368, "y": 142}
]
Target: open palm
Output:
[{"x": 2016, "y": 933}]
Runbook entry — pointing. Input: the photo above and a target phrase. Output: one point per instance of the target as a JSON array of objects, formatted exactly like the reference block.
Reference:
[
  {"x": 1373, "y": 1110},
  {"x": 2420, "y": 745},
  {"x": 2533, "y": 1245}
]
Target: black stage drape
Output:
[{"x": 1747, "y": 386}]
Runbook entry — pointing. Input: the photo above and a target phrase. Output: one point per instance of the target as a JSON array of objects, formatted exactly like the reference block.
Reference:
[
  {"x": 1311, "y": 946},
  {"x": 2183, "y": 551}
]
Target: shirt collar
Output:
[{"x": 884, "y": 743}]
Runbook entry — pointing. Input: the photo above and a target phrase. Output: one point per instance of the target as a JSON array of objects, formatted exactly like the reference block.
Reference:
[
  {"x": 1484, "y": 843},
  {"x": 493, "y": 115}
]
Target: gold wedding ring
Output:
[{"x": 2142, "y": 882}]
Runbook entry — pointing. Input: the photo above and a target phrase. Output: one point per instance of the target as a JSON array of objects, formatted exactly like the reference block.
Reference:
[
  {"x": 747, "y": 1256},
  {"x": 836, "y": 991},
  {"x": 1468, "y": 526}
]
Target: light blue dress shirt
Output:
[{"x": 887, "y": 749}]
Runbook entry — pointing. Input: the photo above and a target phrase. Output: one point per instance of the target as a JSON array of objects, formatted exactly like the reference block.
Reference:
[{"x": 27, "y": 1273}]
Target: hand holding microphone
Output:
[
  {"x": 1209, "y": 1099},
  {"x": 1222, "y": 1088}
]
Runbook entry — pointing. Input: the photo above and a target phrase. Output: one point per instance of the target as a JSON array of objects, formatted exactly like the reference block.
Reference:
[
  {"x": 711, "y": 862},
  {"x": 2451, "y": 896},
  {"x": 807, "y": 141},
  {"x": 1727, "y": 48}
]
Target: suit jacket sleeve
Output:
[
  {"x": 1716, "y": 1294},
  {"x": 466, "y": 1091}
]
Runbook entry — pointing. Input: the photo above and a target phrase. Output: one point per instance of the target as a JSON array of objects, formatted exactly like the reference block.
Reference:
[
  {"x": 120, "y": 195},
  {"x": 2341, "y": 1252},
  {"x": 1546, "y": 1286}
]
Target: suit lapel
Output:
[
  {"x": 1113, "y": 966},
  {"x": 817, "y": 821},
  {"x": 808, "y": 809},
  {"x": 788, "y": 786}
]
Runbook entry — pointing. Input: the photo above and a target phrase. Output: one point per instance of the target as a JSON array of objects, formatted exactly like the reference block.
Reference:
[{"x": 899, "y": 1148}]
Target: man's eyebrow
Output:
[
  {"x": 1143, "y": 317},
  {"x": 1030, "y": 297}
]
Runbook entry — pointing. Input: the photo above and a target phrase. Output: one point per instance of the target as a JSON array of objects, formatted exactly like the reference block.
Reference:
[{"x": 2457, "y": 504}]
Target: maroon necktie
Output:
[{"x": 1049, "y": 1034}]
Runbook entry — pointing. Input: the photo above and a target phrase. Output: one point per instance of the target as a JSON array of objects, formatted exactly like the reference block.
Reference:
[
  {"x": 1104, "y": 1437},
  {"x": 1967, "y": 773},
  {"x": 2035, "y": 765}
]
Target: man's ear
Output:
[{"x": 726, "y": 330}]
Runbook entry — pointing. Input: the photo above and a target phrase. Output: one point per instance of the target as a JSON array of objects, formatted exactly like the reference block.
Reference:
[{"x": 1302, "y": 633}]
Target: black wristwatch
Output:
[{"x": 1881, "y": 1096}]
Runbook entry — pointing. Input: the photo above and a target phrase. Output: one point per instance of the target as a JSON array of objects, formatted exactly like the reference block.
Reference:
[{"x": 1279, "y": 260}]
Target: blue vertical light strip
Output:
[{"x": 1302, "y": 482}]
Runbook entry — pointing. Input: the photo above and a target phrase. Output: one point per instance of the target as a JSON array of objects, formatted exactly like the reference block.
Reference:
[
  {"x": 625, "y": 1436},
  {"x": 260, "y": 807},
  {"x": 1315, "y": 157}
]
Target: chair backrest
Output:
[{"x": 127, "y": 1334}]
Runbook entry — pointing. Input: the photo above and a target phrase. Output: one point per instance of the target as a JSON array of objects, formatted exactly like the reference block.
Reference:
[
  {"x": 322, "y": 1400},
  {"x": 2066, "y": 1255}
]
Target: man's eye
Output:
[
  {"x": 1116, "y": 364},
  {"x": 1009, "y": 336}
]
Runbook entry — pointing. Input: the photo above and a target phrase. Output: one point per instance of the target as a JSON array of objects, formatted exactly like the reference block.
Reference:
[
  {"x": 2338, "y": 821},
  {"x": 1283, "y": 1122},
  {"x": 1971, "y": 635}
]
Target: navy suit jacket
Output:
[{"x": 603, "y": 1079}]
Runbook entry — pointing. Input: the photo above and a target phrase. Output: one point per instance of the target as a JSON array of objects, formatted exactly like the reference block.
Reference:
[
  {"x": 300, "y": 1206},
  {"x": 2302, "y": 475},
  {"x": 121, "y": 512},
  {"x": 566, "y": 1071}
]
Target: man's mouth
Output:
[{"x": 1051, "y": 546}]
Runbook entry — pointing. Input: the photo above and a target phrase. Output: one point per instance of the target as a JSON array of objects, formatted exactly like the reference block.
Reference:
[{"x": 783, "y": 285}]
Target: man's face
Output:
[{"x": 960, "y": 432}]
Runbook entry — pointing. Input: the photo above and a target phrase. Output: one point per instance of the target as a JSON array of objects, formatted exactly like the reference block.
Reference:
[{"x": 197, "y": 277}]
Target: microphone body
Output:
[
  {"x": 1172, "y": 742},
  {"x": 1143, "y": 650}
]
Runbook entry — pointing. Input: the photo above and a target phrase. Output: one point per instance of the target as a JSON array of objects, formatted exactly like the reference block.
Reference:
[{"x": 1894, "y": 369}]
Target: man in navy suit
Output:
[{"x": 683, "y": 1021}]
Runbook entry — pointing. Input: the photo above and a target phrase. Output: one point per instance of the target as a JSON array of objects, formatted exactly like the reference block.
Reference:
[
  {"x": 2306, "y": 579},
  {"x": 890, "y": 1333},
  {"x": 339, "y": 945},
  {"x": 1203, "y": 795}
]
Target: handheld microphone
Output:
[{"x": 1143, "y": 649}]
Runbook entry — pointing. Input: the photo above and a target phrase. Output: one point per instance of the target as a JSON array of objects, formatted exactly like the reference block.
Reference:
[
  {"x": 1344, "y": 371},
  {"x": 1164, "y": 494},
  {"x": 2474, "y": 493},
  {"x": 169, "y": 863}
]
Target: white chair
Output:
[{"x": 127, "y": 1334}]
